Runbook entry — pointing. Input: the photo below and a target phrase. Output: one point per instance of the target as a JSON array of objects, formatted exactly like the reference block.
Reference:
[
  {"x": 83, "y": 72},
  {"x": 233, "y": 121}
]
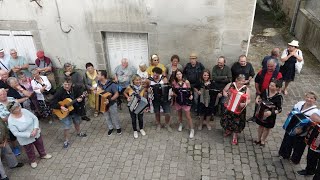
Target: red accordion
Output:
[
  {"x": 234, "y": 100},
  {"x": 313, "y": 138}
]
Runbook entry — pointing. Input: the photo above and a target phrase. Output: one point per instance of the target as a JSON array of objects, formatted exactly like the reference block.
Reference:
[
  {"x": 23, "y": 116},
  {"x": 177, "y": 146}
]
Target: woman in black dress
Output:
[
  {"x": 290, "y": 56},
  {"x": 270, "y": 114}
]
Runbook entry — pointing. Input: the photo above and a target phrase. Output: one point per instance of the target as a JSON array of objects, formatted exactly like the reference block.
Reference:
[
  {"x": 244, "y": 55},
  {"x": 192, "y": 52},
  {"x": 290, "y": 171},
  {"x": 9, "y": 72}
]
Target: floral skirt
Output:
[
  {"x": 233, "y": 122},
  {"x": 44, "y": 109}
]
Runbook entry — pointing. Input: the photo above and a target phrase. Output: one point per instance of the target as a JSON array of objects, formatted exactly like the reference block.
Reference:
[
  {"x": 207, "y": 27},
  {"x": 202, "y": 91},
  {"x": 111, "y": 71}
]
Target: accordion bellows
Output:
[
  {"x": 296, "y": 123},
  {"x": 100, "y": 101}
]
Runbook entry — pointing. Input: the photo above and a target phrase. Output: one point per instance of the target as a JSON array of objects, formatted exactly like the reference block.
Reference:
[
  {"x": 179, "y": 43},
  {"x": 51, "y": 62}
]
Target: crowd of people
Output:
[{"x": 223, "y": 91}]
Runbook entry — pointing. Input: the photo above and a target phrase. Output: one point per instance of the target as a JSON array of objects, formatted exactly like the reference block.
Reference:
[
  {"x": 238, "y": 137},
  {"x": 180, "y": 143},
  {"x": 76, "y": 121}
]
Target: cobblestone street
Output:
[{"x": 173, "y": 155}]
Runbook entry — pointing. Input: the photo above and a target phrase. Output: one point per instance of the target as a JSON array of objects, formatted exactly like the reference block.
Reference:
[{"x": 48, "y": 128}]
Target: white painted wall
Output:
[{"x": 209, "y": 27}]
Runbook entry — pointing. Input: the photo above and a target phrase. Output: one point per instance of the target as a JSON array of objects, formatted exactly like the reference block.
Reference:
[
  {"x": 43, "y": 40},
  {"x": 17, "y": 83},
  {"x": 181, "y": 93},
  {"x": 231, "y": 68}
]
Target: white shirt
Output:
[
  {"x": 306, "y": 112},
  {"x": 5, "y": 62},
  {"x": 285, "y": 53},
  {"x": 143, "y": 75},
  {"x": 37, "y": 86}
]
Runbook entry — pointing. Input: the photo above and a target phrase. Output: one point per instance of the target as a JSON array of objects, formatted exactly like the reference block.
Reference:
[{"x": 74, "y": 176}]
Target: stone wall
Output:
[{"x": 209, "y": 27}]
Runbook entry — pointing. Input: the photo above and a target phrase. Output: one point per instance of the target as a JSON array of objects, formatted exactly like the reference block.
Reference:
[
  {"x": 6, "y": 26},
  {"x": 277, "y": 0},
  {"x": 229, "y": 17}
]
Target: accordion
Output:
[
  {"x": 234, "y": 99},
  {"x": 208, "y": 95},
  {"x": 296, "y": 123},
  {"x": 264, "y": 106},
  {"x": 100, "y": 101},
  {"x": 137, "y": 103},
  {"x": 183, "y": 95},
  {"x": 313, "y": 139},
  {"x": 161, "y": 92}
]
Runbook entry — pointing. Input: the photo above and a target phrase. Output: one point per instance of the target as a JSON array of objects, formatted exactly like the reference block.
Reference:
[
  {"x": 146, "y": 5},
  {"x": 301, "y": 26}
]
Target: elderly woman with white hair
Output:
[
  {"x": 25, "y": 126},
  {"x": 42, "y": 86}
]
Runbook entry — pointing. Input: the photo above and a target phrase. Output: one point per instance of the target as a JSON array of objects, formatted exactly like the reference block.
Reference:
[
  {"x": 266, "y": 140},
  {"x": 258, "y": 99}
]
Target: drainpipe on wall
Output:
[
  {"x": 249, "y": 38},
  {"x": 295, "y": 15}
]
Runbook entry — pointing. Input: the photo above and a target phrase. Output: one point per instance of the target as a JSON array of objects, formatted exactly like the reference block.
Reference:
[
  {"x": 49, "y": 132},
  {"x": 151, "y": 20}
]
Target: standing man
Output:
[
  {"x": 76, "y": 79},
  {"x": 221, "y": 75},
  {"x": 242, "y": 67},
  {"x": 111, "y": 115},
  {"x": 192, "y": 72},
  {"x": 159, "y": 90},
  {"x": 73, "y": 92},
  {"x": 4, "y": 61},
  {"x": 18, "y": 64},
  {"x": 44, "y": 66},
  {"x": 275, "y": 54}
]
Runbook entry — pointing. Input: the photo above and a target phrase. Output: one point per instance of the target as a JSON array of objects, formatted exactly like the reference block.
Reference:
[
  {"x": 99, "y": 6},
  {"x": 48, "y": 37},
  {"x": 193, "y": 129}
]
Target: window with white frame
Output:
[{"x": 22, "y": 41}]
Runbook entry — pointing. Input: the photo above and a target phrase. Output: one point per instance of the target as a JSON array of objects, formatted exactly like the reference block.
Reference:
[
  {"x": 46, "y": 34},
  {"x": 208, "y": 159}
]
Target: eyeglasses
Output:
[{"x": 156, "y": 60}]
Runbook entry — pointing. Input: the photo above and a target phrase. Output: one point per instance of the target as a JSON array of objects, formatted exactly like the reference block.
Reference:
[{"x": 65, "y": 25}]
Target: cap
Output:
[{"x": 40, "y": 54}]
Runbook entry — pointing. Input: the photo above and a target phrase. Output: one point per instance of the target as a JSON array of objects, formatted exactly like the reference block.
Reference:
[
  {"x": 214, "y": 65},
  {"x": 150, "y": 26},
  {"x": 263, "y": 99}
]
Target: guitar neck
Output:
[{"x": 73, "y": 101}]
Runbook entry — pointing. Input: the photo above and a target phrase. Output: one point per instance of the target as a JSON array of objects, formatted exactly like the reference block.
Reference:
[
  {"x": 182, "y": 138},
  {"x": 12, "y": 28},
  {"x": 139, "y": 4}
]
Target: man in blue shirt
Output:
[{"x": 111, "y": 115}]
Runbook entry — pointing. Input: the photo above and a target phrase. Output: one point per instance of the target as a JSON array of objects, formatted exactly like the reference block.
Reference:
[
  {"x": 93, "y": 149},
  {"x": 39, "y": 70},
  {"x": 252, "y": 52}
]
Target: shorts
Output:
[
  {"x": 165, "y": 106},
  {"x": 183, "y": 107},
  {"x": 67, "y": 121}
]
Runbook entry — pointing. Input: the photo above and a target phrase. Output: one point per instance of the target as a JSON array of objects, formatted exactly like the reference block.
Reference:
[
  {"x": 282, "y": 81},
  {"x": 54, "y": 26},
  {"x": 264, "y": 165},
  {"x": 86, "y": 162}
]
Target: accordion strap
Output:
[{"x": 307, "y": 110}]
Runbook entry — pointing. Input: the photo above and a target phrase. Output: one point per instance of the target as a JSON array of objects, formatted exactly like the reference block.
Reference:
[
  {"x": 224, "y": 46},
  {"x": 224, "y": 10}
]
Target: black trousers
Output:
[
  {"x": 134, "y": 120},
  {"x": 292, "y": 143},
  {"x": 312, "y": 161}
]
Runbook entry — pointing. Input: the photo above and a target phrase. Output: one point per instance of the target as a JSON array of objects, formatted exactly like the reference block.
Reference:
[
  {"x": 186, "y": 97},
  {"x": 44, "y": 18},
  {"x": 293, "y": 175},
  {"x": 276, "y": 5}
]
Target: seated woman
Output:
[
  {"x": 42, "y": 87},
  {"x": 25, "y": 126},
  {"x": 25, "y": 82}
]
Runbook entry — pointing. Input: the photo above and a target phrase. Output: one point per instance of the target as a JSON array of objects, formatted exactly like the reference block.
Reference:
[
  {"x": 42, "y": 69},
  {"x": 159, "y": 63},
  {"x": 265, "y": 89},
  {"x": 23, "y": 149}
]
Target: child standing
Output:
[{"x": 136, "y": 87}]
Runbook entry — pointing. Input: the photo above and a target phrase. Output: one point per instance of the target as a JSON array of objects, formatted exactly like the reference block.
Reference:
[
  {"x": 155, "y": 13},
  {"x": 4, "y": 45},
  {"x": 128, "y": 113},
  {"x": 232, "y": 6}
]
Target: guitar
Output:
[{"x": 67, "y": 103}]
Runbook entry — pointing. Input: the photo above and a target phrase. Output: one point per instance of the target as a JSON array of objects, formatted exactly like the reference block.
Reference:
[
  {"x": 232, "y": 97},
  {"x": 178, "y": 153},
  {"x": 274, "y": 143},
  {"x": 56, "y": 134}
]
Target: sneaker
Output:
[
  {"x": 66, "y": 144},
  {"x": 86, "y": 118},
  {"x": 158, "y": 127},
  {"x": 143, "y": 133},
  {"x": 16, "y": 151},
  {"x": 135, "y": 134},
  {"x": 18, "y": 165},
  {"x": 180, "y": 127},
  {"x": 304, "y": 173},
  {"x": 169, "y": 128},
  {"x": 209, "y": 127},
  {"x": 34, "y": 165},
  {"x": 82, "y": 134},
  {"x": 110, "y": 132},
  {"x": 119, "y": 131},
  {"x": 47, "y": 156},
  {"x": 191, "y": 133}
]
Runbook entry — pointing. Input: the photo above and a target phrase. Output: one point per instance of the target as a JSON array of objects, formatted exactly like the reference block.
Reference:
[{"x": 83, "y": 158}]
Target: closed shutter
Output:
[
  {"x": 22, "y": 41},
  {"x": 133, "y": 46}
]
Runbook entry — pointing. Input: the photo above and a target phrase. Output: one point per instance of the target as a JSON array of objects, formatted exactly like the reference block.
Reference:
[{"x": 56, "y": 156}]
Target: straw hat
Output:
[{"x": 294, "y": 43}]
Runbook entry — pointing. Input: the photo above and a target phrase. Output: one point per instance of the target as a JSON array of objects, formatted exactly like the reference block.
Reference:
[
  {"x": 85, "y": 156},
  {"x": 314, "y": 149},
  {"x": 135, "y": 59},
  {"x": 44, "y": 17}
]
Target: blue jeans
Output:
[{"x": 67, "y": 121}]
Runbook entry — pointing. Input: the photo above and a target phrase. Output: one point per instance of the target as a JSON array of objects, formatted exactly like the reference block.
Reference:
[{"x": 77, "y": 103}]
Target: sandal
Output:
[
  {"x": 257, "y": 142},
  {"x": 234, "y": 141},
  {"x": 227, "y": 133},
  {"x": 262, "y": 145}
]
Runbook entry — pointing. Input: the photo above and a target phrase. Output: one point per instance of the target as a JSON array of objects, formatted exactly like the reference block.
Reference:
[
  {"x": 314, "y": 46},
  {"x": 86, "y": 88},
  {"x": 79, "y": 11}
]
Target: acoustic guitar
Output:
[{"x": 67, "y": 103}]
